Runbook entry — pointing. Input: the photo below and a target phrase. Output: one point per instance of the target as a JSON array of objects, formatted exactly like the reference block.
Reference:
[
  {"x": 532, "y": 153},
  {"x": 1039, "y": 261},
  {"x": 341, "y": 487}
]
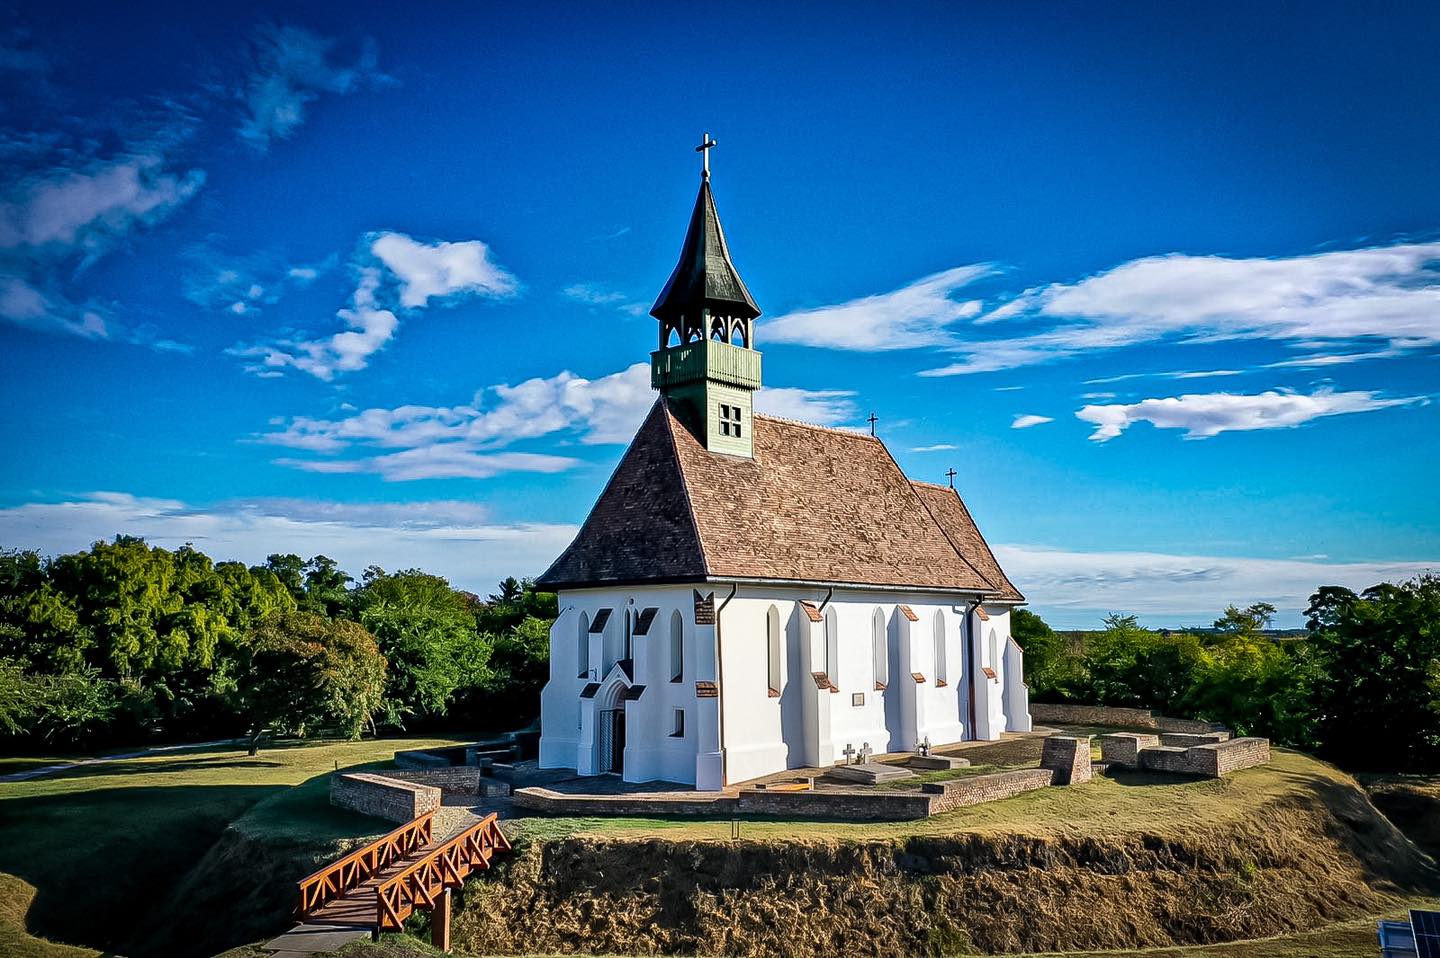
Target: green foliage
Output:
[
  {"x": 426, "y": 631},
  {"x": 1379, "y": 658},
  {"x": 305, "y": 670},
  {"x": 1250, "y": 621}
]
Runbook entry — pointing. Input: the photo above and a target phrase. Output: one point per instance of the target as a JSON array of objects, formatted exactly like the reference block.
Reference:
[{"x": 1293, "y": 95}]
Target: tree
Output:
[
  {"x": 1377, "y": 655},
  {"x": 305, "y": 671},
  {"x": 1249, "y": 621},
  {"x": 426, "y": 630},
  {"x": 1042, "y": 647}
]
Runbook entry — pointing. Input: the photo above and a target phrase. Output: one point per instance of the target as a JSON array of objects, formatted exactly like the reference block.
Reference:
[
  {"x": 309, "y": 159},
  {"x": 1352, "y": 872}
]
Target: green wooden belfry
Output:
[{"x": 707, "y": 365}]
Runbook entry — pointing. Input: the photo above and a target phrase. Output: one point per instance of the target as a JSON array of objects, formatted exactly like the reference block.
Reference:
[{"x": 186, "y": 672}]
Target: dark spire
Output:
[{"x": 704, "y": 278}]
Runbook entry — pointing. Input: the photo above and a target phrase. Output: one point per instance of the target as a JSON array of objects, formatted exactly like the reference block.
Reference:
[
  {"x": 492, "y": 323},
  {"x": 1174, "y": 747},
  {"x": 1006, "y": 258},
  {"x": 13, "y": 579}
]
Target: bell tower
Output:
[{"x": 707, "y": 366}]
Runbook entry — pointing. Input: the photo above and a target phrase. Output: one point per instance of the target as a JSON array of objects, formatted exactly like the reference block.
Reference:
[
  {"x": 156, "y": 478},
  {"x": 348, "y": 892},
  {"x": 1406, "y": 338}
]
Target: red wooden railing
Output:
[
  {"x": 444, "y": 867},
  {"x": 354, "y": 869}
]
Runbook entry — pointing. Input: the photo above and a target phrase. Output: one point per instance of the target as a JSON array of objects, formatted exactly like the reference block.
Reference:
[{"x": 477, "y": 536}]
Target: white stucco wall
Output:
[{"x": 801, "y": 726}]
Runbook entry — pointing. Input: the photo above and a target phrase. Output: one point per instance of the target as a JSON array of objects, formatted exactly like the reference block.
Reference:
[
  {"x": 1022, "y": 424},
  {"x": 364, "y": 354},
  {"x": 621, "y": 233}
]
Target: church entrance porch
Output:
[{"x": 611, "y": 726}]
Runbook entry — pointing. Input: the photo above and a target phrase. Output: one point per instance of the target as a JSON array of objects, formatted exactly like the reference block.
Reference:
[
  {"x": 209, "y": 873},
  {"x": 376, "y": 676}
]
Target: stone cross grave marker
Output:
[
  {"x": 849, "y": 754},
  {"x": 865, "y": 752}
]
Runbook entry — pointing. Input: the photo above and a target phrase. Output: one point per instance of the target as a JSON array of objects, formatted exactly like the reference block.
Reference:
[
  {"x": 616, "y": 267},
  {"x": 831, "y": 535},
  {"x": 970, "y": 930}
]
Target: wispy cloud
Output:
[
  {"x": 244, "y": 285},
  {"x": 461, "y": 540},
  {"x": 291, "y": 68},
  {"x": 916, "y": 315},
  {"x": 938, "y": 447},
  {"x": 1171, "y": 374},
  {"x": 1028, "y": 420},
  {"x": 394, "y": 272},
  {"x": 1074, "y": 589},
  {"x": 1389, "y": 294},
  {"x": 823, "y": 407},
  {"x": 596, "y": 295},
  {"x": 468, "y": 439},
  {"x": 1205, "y": 415}
]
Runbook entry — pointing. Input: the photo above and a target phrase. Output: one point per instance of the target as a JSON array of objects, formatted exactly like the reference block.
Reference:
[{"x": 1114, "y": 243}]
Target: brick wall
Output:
[
  {"x": 1072, "y": 714},
  {"x": 978, "y": 789},
  {"x": 558, "y": 803},
  {"x": 1211, "y": 760},
  {"x": 386, "y": 798},
  {"x": 1068, "y": 758},
  {"x": 1239, "y": 753},
  {"x": 1123, "y": 748},
  {"x": 421, "y": 758},
  {"x": 1187, "y": 739},
  {"x": 856, "y": 806},
  {"x": 460, "y": 779}
]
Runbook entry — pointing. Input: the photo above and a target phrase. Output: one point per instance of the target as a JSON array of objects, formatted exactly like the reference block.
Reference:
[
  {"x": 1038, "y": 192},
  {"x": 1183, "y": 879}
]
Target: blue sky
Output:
[{"x": 1162, "y": 284}]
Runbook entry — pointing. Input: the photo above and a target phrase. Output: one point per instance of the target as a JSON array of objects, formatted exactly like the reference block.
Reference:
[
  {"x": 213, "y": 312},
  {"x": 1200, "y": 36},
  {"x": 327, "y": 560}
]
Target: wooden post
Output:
[{"x": 440, "y": 922}]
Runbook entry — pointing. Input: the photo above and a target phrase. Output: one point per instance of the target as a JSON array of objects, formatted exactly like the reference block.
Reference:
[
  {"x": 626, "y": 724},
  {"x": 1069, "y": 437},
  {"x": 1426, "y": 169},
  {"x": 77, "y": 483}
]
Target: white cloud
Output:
[
  {"x": 916, "y": 315},
  {"x": 938, "y": 447},
  {"x": 394, "y": 272},
  {"x": 291, "y": 68},
  {"x": 1026, "y": 421},
  {"x": 1209, "y": 414},
  {"x": 440, "y": 270},
  {"x": 462, "y": 440},
  {"x": 450, "y": 460},
  {"x": 88, "y": 206},
  {"x": 1172, "y": 374},
  {"x": 1390, "y": 294},
  {"x": 1074, "y": 589},
  {"x": 459, "y": 540},
  {"x": 593, "y": 294},
  {"x": 245, "y": 285},
  {"x": 823, "y": 407}
]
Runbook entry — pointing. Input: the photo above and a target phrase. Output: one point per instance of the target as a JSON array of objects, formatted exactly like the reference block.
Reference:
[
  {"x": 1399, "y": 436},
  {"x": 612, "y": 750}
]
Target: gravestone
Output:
[
  {"x": 937, "y": 762},
  {"x": 871, "y": 773}
]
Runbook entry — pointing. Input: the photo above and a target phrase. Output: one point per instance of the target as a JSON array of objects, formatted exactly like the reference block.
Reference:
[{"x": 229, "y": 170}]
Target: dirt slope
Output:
[{"x": 1320, "y": 853}]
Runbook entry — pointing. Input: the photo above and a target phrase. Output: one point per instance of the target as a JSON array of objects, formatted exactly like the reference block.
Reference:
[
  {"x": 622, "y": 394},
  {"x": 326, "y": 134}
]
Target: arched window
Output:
[
  {"x": 832, "y": 647},
  {"x": 879, "y": 651},
  {"x": 994, "y": 650},
  {"x": 739, "y": 336},
  {"x": 942, "y": 672},
  {"x": 674, "y": 338},
  {"x": 677, "y": 647},
  {"x": 772, "y": 647},
  {"x": 627, "y": 646},
  {"x": 582, "y": 647},
  {"x": 717, "y": 329}
]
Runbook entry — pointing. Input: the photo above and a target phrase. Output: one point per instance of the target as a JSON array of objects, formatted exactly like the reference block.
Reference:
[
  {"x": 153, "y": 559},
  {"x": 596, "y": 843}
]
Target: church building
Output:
[{"x": 751, "y": 594}]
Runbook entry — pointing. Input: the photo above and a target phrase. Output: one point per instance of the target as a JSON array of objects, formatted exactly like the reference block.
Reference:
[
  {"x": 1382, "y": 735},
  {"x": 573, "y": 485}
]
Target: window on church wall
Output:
[
  {"x": 627, "y": 641},
  {"x": 673, "y": 339},
  {"x": 677, "y": 647},
  {"x": 994, "y": 650},
  {"x": 832, "y": 647},
  {"x": 677, "y": 723},
  {"x": 879, "y": 651},
  {"x": 582, "y": 648},
  {"x": 773, "y": 645},
  {"x": 740, "y": 336},
  {"x": 942, "y": 671}
]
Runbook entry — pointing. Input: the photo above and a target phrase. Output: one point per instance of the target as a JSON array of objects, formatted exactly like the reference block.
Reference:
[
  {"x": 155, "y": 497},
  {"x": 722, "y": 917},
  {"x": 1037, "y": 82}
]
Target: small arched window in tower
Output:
[
  {"x": 879, "y": 650},
  {"x": 677, "y": 647},
  {"x": 673, "y": 338},
  {"x": 772, "y": 648},
  {"x": 717, "y": 329},
  {"x": 740, "y": 335},
  {"x": 582, "y": 647},
  {"x": 942, "y": 671},
  {"x": 832, "y": 647}
]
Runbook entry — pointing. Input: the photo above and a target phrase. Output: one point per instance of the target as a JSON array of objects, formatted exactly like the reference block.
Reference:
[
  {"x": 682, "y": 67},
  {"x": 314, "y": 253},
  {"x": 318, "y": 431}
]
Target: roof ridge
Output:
[
  {"x": 945, "y": 532},
  {"x": 838, "y": 430}
]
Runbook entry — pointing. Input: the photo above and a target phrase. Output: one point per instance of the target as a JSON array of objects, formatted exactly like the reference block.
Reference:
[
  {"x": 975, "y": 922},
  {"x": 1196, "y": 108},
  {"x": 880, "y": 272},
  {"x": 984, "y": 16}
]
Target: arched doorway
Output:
[{"x": 610, "y": 732}]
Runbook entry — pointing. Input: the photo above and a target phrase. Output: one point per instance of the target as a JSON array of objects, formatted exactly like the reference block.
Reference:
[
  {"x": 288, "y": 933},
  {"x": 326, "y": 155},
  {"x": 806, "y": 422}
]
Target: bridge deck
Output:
[{"x": 358, "y": 905}]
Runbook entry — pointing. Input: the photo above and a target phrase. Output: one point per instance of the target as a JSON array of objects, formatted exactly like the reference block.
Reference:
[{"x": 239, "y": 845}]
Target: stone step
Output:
[
  {"x": 937, "y": 762},
  {"x": 871, "y": 773}
]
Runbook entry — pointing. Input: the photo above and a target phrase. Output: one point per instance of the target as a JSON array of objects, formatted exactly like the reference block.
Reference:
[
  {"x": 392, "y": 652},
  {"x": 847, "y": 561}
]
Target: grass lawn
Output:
[
  {"x": 102, "y": 844},
  {"x": 1127, "y": 802}
]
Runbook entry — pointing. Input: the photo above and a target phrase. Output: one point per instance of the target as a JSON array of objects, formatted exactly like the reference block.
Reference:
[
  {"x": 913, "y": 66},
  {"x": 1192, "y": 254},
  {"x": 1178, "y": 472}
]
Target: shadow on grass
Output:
[
  {"x": 99, "y": 858},
  {"x": 1132, "y": 777},
  {"x": 160, "y": 768}
]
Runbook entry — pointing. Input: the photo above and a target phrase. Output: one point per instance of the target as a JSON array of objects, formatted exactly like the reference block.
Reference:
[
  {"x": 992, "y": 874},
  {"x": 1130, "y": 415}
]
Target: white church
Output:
[{"x": 751, "y": 594}]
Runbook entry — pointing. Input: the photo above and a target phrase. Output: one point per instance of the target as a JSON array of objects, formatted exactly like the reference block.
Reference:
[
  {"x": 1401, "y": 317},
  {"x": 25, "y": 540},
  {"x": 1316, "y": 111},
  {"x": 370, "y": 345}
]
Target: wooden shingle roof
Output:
[
  {"x": 950, "y": 513},
  {"x": 814, "y": 505}
]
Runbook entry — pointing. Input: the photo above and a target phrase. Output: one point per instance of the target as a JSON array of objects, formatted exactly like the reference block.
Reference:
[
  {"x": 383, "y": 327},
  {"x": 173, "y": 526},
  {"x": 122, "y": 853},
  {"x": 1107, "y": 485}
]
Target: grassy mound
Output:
[
  {"x": 1137, "y": 861},
  {"x": 177, "y": 854},
  {"x": 1412, "y": 802}
]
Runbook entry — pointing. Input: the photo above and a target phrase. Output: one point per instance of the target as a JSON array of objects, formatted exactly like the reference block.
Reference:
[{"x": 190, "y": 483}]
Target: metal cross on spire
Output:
[
  {"x": 951, "y": 476},
  {"x": 872, "y": 421},
  {"x": 706, "y": 145}
]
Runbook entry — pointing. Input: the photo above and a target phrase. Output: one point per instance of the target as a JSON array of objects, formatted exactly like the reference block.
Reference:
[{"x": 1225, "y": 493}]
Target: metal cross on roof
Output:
[
  {"x": 704, "y": 149},
  {"x": 951, "y": 476},
  {"x": 872, "y": 421}
]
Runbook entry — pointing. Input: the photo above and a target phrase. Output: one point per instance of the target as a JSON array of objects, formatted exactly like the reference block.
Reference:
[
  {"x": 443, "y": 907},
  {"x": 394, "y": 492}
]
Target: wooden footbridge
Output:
[{"x": 377, "y": 887}]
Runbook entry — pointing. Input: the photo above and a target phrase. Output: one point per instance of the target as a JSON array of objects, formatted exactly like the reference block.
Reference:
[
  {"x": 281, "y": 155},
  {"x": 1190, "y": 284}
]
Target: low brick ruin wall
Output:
[
  {"x": 384, "y": 797},
  {"x": 1187, "y": 739},
  {"x": 1206, "y": 760},
  {"x": 460, "y": 779},
  {"x": 1238, "y": 753},
  {"x": 1071, "y": 714},
  {"x": 979, "y": 789},
  {"x": 856, "y": 806},
  {"x": 559, "y": 803},
  {"x": 1068, "y": 758}
]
